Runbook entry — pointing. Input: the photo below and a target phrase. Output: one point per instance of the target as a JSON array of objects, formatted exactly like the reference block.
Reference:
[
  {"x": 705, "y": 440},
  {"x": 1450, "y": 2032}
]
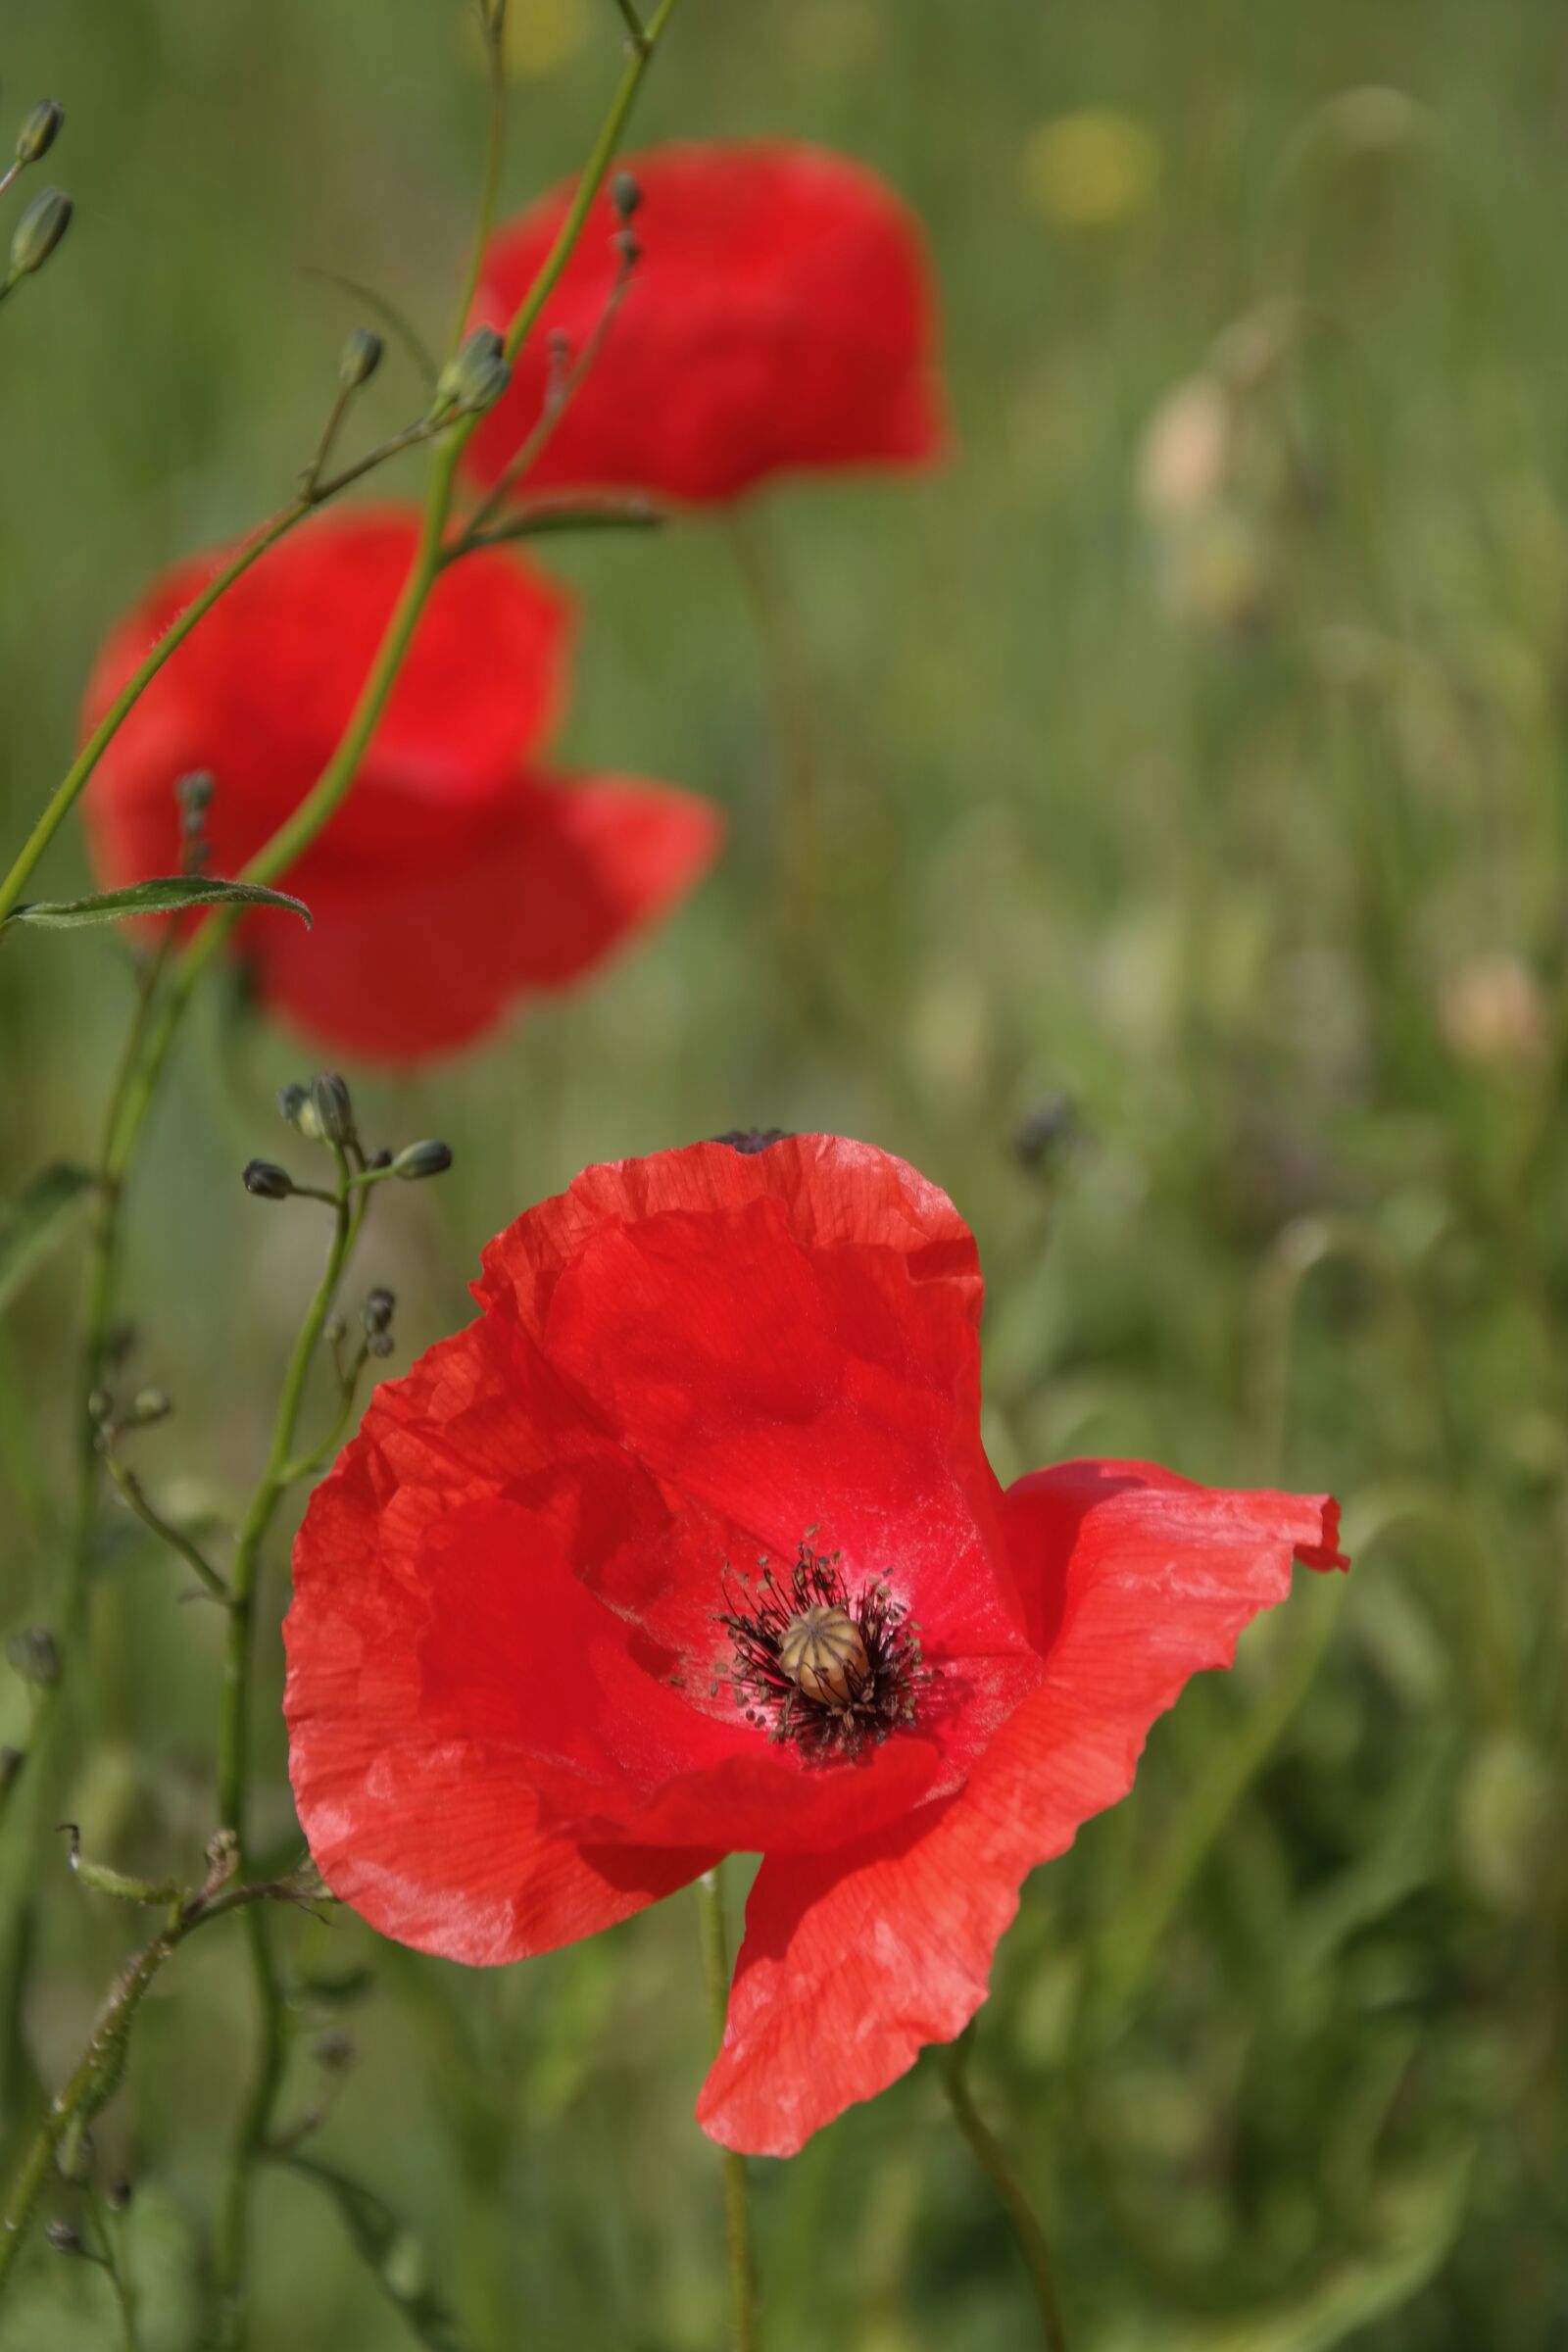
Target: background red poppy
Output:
[
  {"x": 782, "y": 319},
  {"x": 457, "y": 875}
]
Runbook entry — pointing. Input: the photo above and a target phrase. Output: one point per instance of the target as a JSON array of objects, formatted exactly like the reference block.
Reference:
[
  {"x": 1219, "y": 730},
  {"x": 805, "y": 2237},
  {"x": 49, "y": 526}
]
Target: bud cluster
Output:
[{"x": 45, "y": 221}]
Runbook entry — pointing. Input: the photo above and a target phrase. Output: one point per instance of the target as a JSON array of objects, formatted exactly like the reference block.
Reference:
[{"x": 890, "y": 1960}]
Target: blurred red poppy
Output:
[
  {"x": 689, "y": 1544},
  {"x": 782, "y": 319},
  {"x": 457, "y": 876}
]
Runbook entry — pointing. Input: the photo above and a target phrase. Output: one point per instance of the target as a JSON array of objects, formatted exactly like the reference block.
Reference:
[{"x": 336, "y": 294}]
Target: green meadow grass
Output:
[{"x": 1230, "y": 813}]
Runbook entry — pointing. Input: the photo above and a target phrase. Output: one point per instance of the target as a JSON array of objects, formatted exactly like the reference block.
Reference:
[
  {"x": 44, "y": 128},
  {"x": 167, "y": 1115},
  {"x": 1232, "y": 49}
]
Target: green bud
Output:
[
  {"x": 64, "y": 2238},
  {"x": 34, "y": 1655},
  {"x": 148, "y": 1405},
  {"x": 333, "y": 1108},
  {"x": 38, "y": 231},
  {"x": 267, "y": 1181},
  {"x": 40, "y": 130},
  {"x": 625, "y": 195},
  {"x": 194, "y": 794},
  {"x": 363, "y": 354},
  {"x": 477, "y": 379},
  {"x": 429, "y": 1158}
]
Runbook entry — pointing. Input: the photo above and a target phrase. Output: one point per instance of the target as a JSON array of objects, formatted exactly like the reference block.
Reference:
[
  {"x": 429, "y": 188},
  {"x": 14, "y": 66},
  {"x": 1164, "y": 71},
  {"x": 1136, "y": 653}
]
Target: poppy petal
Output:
[
  {"x": 854, "y": 1962},
  {"x": 781, "y": 319},
  {"x": 427, "y": 929}
]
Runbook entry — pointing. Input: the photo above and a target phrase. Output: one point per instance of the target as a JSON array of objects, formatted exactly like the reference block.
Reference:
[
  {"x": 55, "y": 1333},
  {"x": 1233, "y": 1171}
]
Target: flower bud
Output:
[
  {"x": 267, "y": 1181},
  {"x": 117, "y": 2194},
  {"x": 40, "y": 130},
  {"x": 148, "y": 1405},
  {"x": 625, "y": 194},
  {"x": 378, "y": 1310},
  {"x": 38, "y": 231},
  {"x": 332, "y": 1107},
  {"x": 294, "y": 1102},
  {"x": 363, "y": 354},
  {"x": 34, "y": 1655},
  {"x": 478, "y": 375},
  {"x": 194, "y": 794},
  {"x": 427, "y": 1159},
  {"x": 63, "y": 2238}
]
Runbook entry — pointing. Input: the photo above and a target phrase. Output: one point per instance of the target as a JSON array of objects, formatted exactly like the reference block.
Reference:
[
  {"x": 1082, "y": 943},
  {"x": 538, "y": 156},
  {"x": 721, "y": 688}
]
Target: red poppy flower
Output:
[
  {"x": 538, "y": 1675},
  {"x": 456, "y": 877},
  {"x": 782, "y": 319}
]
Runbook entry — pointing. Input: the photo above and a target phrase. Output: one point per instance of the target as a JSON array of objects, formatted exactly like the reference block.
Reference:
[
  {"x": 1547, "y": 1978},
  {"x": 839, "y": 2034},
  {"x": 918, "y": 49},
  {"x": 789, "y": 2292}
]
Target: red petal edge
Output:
[{"x": 854, "y": 1961}]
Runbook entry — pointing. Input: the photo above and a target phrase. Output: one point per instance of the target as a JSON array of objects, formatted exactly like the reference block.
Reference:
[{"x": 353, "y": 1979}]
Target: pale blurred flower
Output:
[
  {"x": 1090, "y": 169},
  {"x": 1183, "y": 453},
  {"x": 542, "y": 35},
  {"x": 1494, "y": 1013}
]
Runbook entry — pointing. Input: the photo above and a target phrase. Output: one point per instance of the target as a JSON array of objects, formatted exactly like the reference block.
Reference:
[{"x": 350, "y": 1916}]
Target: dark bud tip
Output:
[
  {"x": 34, "y": 1654},
  {"x": 363, "y": 354},
  {"x": 380, "y": 1159},
  {"x": 333, "y": 1108},
  {"x": 334, "y": 2051},
  {"x": 267, "y": 1181},
  {"x": 294, "y": 1102},
  {"x": 379, "y": 1343},
  {"x": 625, "y": 194},
  {"x": 117, "y": 2194},
  {"x": 1040, "y": 1139},
  {"x": 379, "y": 1305},
  {"x": 629, "y": 249},
  {"x": 40, "y": 130},
  {"x": 476, "y": 377},
  {"x": 64, "y": 2238},
  {"x": 194, "y": 794},
  {"x": 753, "y": 1138},
  {"x": 427, "y": 1159},
  {"x": 40, "y": 230}
]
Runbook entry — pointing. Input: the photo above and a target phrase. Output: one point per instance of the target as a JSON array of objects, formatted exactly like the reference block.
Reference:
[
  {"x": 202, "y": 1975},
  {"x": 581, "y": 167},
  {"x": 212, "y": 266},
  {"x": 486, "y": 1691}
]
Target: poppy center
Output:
[{"x": 813, "y": 1662}]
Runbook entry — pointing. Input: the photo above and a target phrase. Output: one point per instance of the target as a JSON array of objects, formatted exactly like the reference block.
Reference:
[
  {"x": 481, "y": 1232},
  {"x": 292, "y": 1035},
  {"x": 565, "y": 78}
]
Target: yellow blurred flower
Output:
[
  {"x": 1091, "y": 170},
  {"x": 542, "y": 35}
]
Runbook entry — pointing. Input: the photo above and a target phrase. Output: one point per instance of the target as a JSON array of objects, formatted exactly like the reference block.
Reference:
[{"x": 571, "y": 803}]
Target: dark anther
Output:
[{"x": 753, "y": 1138}]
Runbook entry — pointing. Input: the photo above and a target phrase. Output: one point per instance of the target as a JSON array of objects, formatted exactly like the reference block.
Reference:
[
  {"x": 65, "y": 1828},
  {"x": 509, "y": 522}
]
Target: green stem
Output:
[
  {"x": 493, "y": 26},
  {"x": 233, "y": 1765},
  {"x": 737, "y": 2198},
  {"x": 92, "y": 2081},
  {"x": 131, "y": 1487},
  {"x": 119, "y": 2272},
  {"x": 1010, "y": 2194},
  {"x": 798, "y": 831},
  {"x": 71, "y": 785}
]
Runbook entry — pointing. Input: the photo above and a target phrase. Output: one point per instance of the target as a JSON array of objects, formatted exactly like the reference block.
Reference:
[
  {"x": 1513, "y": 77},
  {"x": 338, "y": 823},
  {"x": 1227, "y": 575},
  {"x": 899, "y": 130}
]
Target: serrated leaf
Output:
[
  {"x": 169, "y": 894},
  {"x": 37, "y": 1222},
  {"x": 391, "y": 2251}
]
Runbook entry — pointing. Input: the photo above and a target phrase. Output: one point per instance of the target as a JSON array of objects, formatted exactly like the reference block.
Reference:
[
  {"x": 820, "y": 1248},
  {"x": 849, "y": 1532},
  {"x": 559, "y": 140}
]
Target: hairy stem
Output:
[
  {"x": 737, "y": 2196},
  {"x": 234, "y": 1758},
  {"x": 1010, "y": 2193}
]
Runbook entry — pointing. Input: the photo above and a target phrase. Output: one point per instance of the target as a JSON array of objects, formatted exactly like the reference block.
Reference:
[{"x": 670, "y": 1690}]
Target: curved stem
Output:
[
  {"x": 233, "y": 1763},
  {"x": 1010, "y": 2193},
  {"x": 493, "y": 21},
  {"x": 737, "y": 2197},
  {"x": 69, "y": 789}
]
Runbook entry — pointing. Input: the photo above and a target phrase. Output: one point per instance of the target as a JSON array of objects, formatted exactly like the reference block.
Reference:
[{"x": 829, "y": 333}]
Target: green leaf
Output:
[
  {"x": 38, "y": 1222},
  {"x": 391, "y": 2251},
  {"x": 171, "y": 893}
]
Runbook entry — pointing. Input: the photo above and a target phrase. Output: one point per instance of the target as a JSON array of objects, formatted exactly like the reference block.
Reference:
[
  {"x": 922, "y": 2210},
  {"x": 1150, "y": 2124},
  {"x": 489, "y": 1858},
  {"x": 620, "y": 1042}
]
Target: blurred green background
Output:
[{"x": 1194, "y": 762}]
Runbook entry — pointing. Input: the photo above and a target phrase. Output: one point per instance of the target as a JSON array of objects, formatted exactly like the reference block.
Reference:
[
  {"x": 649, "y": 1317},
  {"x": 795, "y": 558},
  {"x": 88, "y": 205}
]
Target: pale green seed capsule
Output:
[
  {"x": 40, "y": 230},
  {"x": 40, "y": 130}
]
